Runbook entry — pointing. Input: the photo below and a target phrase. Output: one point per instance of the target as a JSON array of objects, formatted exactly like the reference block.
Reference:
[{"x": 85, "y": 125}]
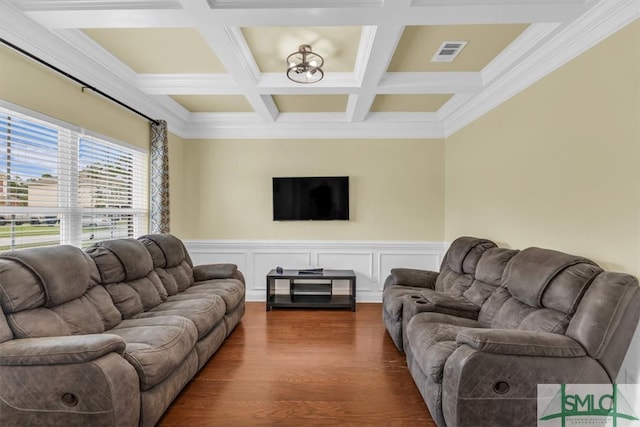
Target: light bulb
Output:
[{"x": 313, "y": 64}]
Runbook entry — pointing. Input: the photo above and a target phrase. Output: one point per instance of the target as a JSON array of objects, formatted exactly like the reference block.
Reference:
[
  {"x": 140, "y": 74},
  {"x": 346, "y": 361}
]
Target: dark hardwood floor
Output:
[{"x": 303, "y": 368}]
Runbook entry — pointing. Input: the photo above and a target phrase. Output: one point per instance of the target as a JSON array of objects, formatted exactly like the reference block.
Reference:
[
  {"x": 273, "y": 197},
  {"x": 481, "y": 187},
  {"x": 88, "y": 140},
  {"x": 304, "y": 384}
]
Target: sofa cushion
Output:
[
  {"x": 205, "y": 311},
  {"x": 166, "y": 250},
  {"x": 179, "y": 277},
  {"x": 126, "y": 271},
  {"x": 453, "y": 283},
  {"x": 432, "y": 364},
  {"x": 479, "y": 292},
  {"x": 92, "y": 313},
  {"x": 462, "y": 248},
  {"x": 424, "y": 334},
  {"x": 393, "y": 299},
  {"x": 156, "y": 346},
  {"x": 136, "y": 296},
  {"x": 546, "y": 320},
  {"x": 53, "y": 275},
  {"x": 530, "y": 272},
  {"x": 231, "y": 291},
  {"x": 492, "y": 306},
  {"x": 5, "y": 332},
  {"x": 511, "y": 314},
  {"x": 492, "y": 264},
  {"x": 567, "y": 288},
  {"x": 432, "y": 338},
  {"x": 20, "y": 287},
  {"x": 459, "y": 264},
  {"x": 120, "y": 260}
]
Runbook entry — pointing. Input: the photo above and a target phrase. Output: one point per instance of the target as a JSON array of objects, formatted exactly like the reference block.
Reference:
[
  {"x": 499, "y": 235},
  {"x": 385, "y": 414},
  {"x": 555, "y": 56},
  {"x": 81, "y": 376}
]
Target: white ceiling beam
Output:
[
  {"x": 476, "y": 13},
  {"x": 376, "y": 49},
  {"x": 231, "y": 49},
  {"x": 331, "y": 84}
]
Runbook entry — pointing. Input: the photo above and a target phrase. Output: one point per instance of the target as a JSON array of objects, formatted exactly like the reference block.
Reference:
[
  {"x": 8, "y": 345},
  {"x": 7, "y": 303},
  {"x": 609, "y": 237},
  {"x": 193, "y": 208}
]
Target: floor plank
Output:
[{"x": 303, "y": 368}]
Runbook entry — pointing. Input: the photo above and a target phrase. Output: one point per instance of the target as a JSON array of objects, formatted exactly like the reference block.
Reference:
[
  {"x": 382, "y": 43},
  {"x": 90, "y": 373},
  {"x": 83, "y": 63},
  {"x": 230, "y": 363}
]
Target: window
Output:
[{"x": 62, "y": 185}]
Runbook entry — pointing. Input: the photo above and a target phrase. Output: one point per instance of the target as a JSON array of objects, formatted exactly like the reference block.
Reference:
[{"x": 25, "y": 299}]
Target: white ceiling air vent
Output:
[{"x": 448, "y": 51}]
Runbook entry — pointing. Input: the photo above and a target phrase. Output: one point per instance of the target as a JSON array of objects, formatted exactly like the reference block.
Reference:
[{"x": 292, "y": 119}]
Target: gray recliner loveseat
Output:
[
  {"x": 550, "y": 318},
  {"x": 108, "y": 336},
  {"x": 409, "y": 291}
]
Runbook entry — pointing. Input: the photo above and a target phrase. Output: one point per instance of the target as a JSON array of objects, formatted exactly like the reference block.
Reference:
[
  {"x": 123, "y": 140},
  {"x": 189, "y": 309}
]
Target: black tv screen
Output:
[{"x": 318, "y": 198}]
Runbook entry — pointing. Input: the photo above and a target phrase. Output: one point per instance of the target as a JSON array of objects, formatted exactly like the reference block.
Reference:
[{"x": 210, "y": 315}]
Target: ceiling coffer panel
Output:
[
  {"x": 419, "y": 43},
  {"x": 217, "y": 68},
  {"x": 159, "y": 50}
]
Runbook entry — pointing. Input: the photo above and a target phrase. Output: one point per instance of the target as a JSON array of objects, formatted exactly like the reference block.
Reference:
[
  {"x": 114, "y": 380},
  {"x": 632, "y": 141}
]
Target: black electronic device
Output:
[
  {"x": 279, "y": 270},
  {"x": 311, "y": 271},
  {"x": 322, "y": 198}
]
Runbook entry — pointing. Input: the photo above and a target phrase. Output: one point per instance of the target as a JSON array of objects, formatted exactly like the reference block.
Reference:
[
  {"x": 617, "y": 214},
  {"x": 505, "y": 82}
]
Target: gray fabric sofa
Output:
[
  {"x": 108, "y": 336},
  {"x": 550, "y": 318}
]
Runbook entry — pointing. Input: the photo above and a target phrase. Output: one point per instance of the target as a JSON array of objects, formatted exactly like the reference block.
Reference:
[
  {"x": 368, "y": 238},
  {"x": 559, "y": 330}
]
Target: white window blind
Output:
[{"x": 60, "y": 185}]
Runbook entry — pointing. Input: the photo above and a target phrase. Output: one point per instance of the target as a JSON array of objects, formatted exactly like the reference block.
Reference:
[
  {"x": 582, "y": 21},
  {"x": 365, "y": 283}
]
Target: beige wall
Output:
[
  {"x": 25, "y": 83},
  {"x": 557, "y": 166},
  {"x": 396, "y": 188}
]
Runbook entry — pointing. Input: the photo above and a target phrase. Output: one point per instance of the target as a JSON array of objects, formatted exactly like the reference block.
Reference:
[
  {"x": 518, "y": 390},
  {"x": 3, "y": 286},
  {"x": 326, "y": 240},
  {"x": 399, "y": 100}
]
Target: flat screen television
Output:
[{"x": 317, "y": 198}]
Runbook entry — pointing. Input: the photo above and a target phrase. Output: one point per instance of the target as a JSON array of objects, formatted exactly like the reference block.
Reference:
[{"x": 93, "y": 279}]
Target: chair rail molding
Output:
[{"x": 371, "y": 260}]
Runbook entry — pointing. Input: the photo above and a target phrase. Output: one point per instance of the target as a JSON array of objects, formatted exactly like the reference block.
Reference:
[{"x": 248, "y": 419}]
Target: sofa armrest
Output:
[
  {"x": 520, "y": 343},
  {"x": 413, "y": 277},
  {"x": 59, "y": 350},
  {"x": 215, "y": 271},
  {"x": 80, "y": 380},
  {"x": 453, "y": 302}
]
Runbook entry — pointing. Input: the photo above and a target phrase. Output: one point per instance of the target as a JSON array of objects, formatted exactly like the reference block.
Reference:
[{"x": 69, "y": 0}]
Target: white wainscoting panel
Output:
[
  {"x": 424, "y": 261},
  {"x": 263, "y": 262},
  {"x": 370, "y": 260}
]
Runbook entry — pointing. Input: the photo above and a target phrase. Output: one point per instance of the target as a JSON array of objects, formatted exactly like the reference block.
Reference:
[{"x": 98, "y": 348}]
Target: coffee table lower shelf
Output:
[{"x": 311, "y": 301}]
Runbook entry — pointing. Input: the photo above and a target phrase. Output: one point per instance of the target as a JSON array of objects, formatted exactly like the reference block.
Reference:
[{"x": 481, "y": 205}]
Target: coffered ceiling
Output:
[{"x": 216, "y": 68}]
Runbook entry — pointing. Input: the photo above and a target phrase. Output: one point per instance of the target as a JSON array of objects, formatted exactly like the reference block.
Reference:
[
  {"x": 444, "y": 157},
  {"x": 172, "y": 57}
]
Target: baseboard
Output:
[{"x": 371, "y": 260}]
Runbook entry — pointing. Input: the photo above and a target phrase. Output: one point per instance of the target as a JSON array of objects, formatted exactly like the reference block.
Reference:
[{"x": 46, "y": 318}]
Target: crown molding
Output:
[
  {"x": 533, "y": 36},
  {"x": 601, "y": 21},
  {"x": 187, "y": 84},
  {"x": 33, "y": 5},
  {"x": 292, "y": 4},
  {"x": 315, "y": 126},
  {"x": 98, "y": 68},
  {"x": 551, "y": 46}
]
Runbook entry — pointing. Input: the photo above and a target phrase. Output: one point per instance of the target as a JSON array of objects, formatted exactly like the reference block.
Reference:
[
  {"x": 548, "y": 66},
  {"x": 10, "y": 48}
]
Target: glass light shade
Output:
[{"x": 305, "y": 66}]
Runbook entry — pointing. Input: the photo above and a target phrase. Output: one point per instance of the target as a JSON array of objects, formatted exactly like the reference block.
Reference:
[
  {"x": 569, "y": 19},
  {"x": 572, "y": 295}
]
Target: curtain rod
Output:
[{"x": 77, "y": 80}]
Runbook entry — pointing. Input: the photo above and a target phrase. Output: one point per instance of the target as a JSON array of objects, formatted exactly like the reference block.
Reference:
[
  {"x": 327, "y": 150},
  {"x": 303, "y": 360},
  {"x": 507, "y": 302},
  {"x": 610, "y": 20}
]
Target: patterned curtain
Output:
[{"x": 159, "y": 209}]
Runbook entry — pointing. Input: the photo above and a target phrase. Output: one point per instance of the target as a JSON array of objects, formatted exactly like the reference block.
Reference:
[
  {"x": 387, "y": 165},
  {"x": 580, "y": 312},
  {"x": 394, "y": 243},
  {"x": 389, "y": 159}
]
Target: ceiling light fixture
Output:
[{"x": 305, "y": 66}]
